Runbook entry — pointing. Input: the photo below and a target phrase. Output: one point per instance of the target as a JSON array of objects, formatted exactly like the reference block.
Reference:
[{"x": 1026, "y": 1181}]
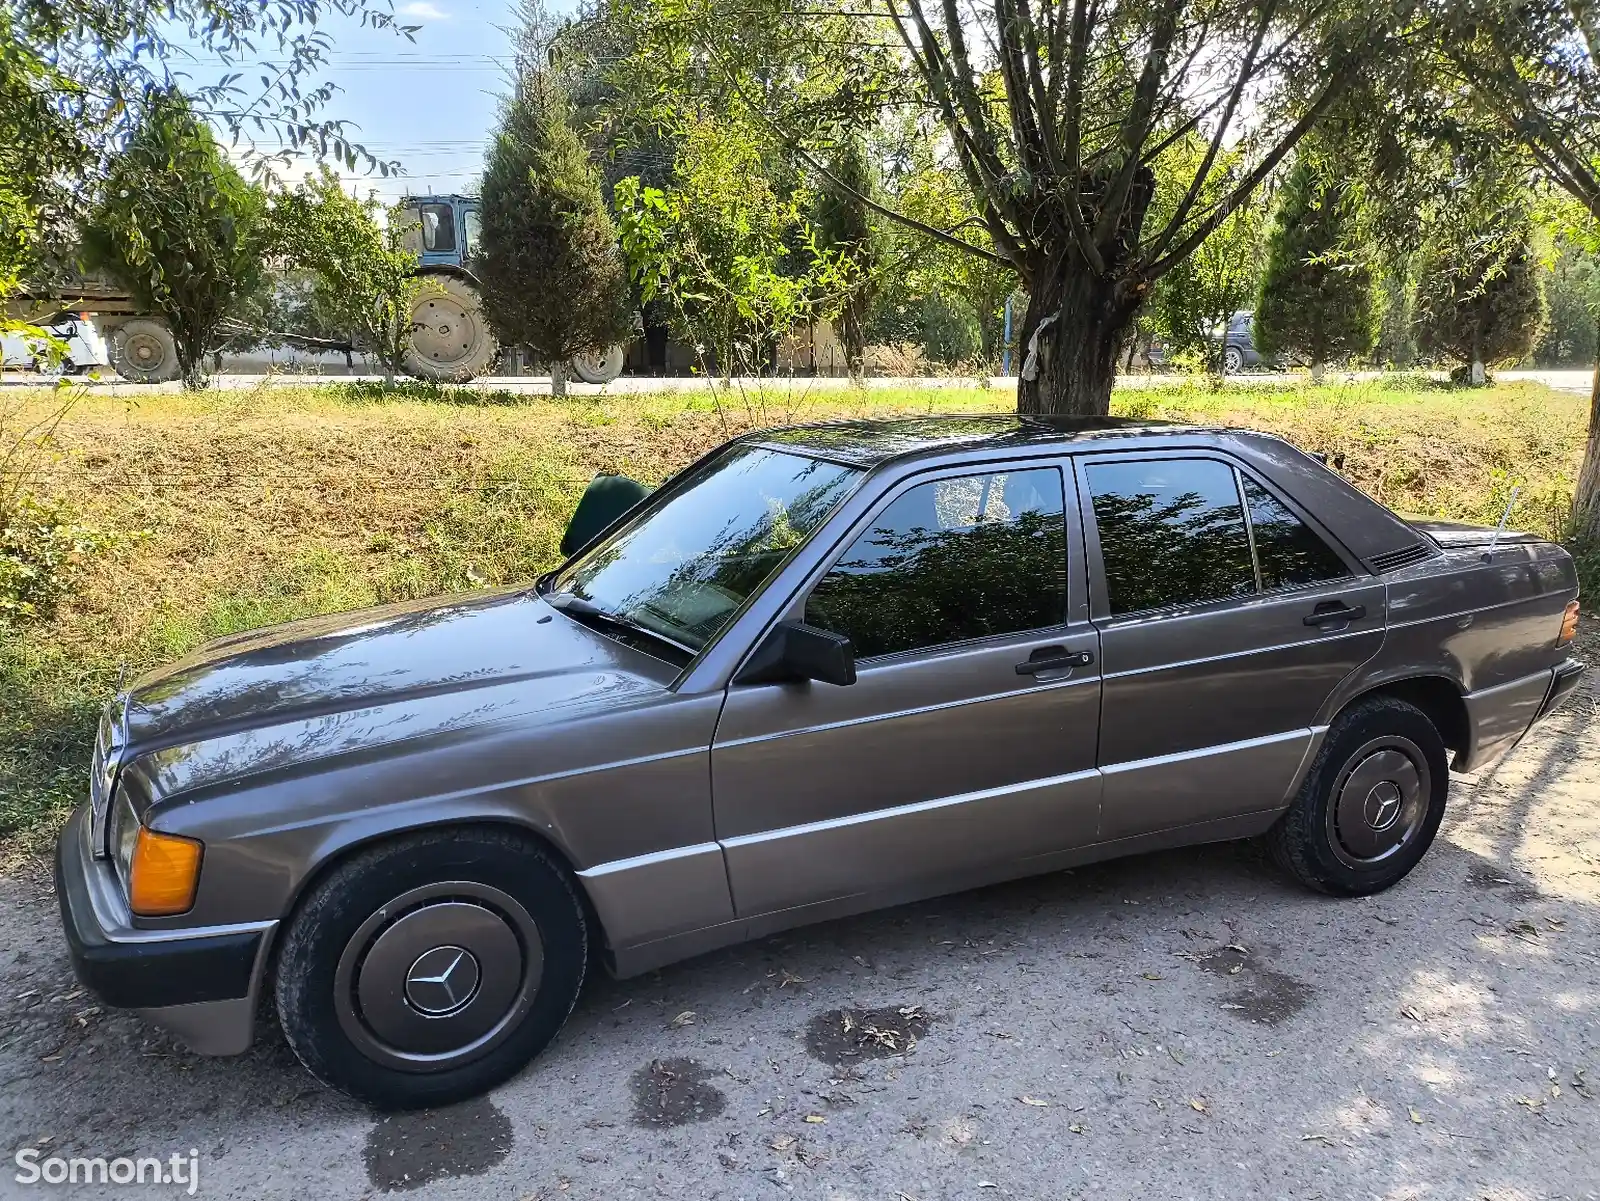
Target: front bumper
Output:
[{"x": 200, "y": 984}]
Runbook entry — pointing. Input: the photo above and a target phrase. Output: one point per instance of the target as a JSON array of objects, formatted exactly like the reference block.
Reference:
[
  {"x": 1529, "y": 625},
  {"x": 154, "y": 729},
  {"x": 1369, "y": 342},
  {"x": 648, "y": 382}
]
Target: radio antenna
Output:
[{"x": 1501, "y": 528}]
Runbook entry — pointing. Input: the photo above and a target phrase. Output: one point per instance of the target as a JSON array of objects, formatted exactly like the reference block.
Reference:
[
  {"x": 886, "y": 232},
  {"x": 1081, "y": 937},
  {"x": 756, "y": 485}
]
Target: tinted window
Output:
[
  {"x": 1171, "y": 533},
  {"x": 686, "y": 562},
  {"x": 952, "y": 560},
  {"x": 1288, "y": 550},
  {"x": 438, "y": 228}
]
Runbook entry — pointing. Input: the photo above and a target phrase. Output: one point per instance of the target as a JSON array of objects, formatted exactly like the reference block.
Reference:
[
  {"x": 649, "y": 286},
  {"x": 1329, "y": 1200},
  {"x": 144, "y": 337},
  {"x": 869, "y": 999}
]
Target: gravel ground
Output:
[{"x": 1179, "y": 1025}]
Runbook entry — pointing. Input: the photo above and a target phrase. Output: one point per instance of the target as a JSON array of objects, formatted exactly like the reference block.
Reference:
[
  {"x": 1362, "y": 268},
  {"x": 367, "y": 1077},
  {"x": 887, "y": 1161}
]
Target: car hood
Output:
[
  {"x": 336, "y": 685},
  {"x": 1459, "y": 533}
]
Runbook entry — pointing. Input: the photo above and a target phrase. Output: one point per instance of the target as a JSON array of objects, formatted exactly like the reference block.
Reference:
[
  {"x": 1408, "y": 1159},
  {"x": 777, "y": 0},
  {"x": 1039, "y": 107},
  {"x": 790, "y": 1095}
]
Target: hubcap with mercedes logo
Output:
[
  {"x": 439, "y": 976},
  {"x": 1379, "y": 801},
  {"x": 442, "y": 980}
]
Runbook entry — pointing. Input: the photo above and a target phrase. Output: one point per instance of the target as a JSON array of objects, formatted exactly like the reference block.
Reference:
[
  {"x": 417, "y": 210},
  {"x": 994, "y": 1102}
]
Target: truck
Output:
[
  {"x": 451, "y": 339},
  {"x": 451, "y": 342}
]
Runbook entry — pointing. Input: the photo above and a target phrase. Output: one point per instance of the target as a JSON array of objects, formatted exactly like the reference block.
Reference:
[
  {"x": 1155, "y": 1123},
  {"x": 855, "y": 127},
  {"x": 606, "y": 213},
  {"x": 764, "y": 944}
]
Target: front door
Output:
[
  {"x": 967, "y": 741},
  {"x": 1226, "y": 620}
]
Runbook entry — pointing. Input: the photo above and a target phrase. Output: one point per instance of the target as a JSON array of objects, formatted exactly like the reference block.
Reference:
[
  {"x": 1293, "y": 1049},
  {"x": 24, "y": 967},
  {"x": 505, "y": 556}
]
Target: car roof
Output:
[{"x": 868, "y": 443}]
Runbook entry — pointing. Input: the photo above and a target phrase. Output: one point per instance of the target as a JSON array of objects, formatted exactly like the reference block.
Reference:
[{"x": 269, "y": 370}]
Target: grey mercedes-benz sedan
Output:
[{"x": 823, "y": 669}]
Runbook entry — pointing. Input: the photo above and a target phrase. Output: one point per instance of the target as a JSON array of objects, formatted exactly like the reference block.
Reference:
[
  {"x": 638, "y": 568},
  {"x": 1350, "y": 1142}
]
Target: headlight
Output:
[{"x": 160, "y": 872}]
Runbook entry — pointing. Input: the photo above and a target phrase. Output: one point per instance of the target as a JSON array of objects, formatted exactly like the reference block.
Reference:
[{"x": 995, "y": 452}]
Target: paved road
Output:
[
  {"x": 1179, "y": 1025},
  {"x": 1566, "y": 381}
]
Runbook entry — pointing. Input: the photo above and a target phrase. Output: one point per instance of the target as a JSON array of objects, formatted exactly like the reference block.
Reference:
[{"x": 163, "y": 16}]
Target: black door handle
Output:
[
  {"x": 1329, "y": 612},
  {"x": 1054, "y": 658}
]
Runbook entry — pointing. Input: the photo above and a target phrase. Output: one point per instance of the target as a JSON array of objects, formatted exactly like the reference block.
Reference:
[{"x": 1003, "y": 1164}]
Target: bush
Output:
[{"x": 41, "y": 549}]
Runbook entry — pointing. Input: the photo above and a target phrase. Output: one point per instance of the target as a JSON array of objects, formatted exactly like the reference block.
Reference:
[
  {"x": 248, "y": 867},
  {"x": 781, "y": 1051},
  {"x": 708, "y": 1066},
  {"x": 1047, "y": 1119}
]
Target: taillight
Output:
[{"x": 1569, "y": 624}]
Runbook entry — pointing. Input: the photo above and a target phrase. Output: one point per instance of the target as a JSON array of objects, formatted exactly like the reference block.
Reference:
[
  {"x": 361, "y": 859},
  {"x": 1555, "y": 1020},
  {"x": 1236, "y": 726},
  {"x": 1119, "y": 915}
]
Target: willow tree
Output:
[
  {"x": 1058, "y": 116},
  {"x": 1531, "y": 69}
]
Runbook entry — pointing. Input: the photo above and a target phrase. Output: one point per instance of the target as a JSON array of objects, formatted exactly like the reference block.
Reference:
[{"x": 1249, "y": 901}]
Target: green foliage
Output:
[
  {"x": 1480, "y": 300},
  {"x": 42, "y": 548},
  {"x": 364, "y": 278},
  {"x": 734, "y": 264},
  {"x": 1194, "y": 300},
  {"x": 846, "y": 226},
  {"x": 1572, "y": 288},
  {"x": 180, "y": 229},
  {"x": 1317, "y": 297},
  {"x": 551, "y": 274}
]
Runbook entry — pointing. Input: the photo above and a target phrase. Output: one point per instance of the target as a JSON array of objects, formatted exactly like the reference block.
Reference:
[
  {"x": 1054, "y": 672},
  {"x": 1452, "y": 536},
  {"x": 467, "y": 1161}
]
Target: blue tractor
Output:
[{"x": 452, "y": 341}]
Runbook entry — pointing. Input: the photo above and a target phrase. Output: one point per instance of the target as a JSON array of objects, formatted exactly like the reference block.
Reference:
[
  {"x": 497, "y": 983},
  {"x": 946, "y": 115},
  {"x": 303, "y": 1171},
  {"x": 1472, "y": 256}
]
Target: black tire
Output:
[
  {"x": 347, "y": 1000},
  {"x": 1338, "y": 836}
]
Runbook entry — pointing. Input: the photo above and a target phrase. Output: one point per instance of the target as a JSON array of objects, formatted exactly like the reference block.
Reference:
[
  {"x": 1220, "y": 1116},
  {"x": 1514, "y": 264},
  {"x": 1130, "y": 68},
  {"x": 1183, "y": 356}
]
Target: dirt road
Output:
[{"x": 1180, "y": 1025}]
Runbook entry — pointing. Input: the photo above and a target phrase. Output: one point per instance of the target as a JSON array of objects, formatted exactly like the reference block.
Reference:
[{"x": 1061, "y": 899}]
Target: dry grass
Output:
[{"x": 238, "y": 509}]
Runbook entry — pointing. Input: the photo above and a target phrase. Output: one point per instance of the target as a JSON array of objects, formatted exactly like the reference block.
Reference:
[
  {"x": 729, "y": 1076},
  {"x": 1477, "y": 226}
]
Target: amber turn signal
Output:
[
  {"x": 1569, "y": 624},
  {"x": 163, "y": 874}
]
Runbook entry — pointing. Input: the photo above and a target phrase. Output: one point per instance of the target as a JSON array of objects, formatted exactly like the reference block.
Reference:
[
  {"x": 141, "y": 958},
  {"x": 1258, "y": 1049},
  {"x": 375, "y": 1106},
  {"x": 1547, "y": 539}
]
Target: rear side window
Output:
[
  {"x": 951, "y": 560},
  {"x": 1289, "y": 551},
  {"x": 1172, "y": 532}
]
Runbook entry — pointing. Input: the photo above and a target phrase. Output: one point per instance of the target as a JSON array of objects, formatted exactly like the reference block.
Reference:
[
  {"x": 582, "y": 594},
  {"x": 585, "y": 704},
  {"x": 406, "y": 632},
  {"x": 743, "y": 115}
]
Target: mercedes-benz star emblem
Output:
[
  {"x": 1383, "y": 805},
  {"x": 442, "y": 980}
]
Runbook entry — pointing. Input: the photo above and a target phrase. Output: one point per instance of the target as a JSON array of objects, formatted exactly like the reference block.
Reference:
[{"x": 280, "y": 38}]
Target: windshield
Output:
[{"x": 682, "y": 567}]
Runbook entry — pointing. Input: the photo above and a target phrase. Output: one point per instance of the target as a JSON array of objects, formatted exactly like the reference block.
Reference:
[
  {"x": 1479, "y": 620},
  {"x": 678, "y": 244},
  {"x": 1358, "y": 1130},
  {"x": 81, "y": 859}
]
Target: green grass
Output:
[{"x": 240, "y": 509}]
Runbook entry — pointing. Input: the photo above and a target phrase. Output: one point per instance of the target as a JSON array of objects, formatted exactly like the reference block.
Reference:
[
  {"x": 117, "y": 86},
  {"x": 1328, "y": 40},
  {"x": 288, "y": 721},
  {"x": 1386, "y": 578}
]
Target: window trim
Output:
[
  {"x": 1099, "y": 597},
  {"x": 1075, "y": 607}
]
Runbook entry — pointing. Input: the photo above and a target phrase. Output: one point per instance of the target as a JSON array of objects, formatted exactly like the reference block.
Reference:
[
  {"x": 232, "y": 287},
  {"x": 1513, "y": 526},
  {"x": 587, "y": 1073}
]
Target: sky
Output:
[{"x": 429, "y": 103}]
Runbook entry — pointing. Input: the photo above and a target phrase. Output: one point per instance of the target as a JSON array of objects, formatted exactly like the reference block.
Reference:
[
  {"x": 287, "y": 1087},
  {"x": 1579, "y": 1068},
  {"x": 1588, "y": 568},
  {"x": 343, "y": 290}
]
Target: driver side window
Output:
[{"x": 951, "y": 560}]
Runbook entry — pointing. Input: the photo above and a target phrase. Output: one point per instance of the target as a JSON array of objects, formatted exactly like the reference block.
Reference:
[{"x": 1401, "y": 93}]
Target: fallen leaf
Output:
[
  {"x": 815, "y": 1119},
  {"x": 1406, "y": 1011},
  {"x": 1228, "y": 1005},
  {"x": 1197, "y": 1105},
  {"x": 764, "y": 1112},
  {"x": 1233, "y": 946},
  {"x": 1416, "y": 1117},
  {"x": 686, "y": 1018},
  {"x": 790, "y": 978},
  {"x": 782, "y": 1143},
  {"x": 1034, "y": 1101},
  {"x": 912, "y": 1013},
  {"x": 1316, "y": 1138},
  {"x": 1236, "y": 969},
  {"x": 1075, "y": 1128},
  {"x": 987, "y": 1184},
  {"x": 1522, "y": 926},
  {"x": 1153, "y": 976},
  {"x": 1555, "y": 1090}
]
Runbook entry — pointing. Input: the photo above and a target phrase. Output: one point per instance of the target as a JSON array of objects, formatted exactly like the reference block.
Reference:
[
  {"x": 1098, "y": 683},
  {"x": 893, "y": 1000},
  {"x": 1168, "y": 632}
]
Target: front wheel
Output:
[
  {"x": 1233, "y": 360},
  {"x": 430, "y": 969},
  {"x": 1371, "y": 804}
]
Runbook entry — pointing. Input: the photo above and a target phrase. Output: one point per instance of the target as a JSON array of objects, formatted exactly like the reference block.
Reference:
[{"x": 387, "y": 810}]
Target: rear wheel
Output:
[
  {"x": 144, "y": 351},
  {"x": 1371, "y": 804},
  {"x": 1233, "y": 360},
  {"x": 599, "y": 368},
  {"x": 451, "y": 341},
  {"x": 430, "y": 969}
]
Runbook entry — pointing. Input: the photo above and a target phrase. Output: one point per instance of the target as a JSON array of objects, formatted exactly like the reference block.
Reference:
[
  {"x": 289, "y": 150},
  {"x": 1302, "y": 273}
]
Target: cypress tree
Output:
[
  {"x": 1317, "y": 296},
  {"x": 845, "y": 226},
  {"x": 1480, "y": 300},
  {"x": 551, "y": 272}
]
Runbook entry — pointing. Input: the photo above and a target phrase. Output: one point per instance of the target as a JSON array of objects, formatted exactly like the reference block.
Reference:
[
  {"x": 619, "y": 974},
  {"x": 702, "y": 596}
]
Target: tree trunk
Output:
[
  {"x": 1069, "y": 342},
  {"x": 558, "y": 380},
  {"x": 1317, "y": 367},
  {"x": 191, "y": 361},
  {"x": 1586, "y": 501}
]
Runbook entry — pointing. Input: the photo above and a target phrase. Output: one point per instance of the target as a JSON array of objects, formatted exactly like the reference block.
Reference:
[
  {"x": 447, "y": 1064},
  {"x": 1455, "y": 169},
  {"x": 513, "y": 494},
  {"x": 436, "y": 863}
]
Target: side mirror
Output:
[{"x": 796, "y": 651}]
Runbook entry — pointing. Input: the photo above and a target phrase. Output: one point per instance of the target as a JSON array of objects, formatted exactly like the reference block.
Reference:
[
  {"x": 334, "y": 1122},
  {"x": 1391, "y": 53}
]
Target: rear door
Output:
[
  {"x": 1227, "y": 617},
  {"x": 967, "y": 742}
]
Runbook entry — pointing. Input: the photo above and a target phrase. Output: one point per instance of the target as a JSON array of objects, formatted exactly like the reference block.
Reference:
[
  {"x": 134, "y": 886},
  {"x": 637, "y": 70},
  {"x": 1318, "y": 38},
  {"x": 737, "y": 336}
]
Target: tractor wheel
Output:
[
  {"x": 451, "y": 341},
  {"x": 599, "y": 368},
  {"x": 144, "y": 351}
]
